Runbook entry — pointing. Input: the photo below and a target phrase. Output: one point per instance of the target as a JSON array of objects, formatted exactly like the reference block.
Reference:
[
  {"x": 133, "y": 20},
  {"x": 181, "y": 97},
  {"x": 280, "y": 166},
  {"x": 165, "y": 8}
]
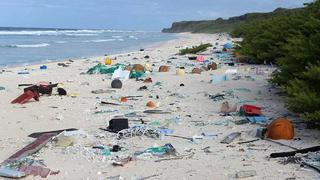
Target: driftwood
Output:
[
  {"x": 176, "y": 158},
  {"x": 182, "y": 137},
  {"x": 244, "y": 142},
  {"x": 292, "y": 153},
  {"x": 30, "y": 148},
  {"x": 281, "y": 144},
  {"x": 38, "y": 134}
]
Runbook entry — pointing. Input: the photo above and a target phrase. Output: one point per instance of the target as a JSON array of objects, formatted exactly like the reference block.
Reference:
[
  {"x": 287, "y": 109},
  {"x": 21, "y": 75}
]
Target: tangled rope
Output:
[{"x": 138, "y": 130}]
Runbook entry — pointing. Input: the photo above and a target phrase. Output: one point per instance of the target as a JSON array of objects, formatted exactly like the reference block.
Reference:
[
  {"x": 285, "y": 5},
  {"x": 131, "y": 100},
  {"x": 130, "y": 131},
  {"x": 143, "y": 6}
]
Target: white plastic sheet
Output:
[{"x": 121, "y": 74}]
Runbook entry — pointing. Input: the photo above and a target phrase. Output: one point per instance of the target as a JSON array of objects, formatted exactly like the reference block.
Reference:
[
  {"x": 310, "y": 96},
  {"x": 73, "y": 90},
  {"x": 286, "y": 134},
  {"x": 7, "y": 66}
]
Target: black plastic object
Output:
[
  {"x": 117, "y": 84},
  {"x": 62, "y": 92},
  {"x": 116, "y": 148},
  {"x": 192, "y": 58},
  {"x": 42, "y": 89},
  {"x": 116, "y": 125}
]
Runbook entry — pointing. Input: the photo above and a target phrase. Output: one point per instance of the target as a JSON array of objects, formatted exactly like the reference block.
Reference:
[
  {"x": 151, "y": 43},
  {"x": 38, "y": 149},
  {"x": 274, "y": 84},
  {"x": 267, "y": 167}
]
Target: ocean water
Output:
[{"x": 27, "y": 46}]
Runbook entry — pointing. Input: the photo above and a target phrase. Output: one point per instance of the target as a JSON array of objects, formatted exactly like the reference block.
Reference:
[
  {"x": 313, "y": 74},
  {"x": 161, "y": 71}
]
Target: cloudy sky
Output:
[{"x": 150, "y": 15}]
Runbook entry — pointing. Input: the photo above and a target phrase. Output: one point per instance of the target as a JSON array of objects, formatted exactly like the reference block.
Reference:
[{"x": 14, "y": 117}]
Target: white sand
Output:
[{"x": 18, "y": 121}]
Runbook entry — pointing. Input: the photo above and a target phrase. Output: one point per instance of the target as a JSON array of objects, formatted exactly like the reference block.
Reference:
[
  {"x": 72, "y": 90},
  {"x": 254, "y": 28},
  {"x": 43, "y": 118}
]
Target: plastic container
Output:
[
  {"x": 107, "y": 61},
  {"x": 216, "y": 79},
  {"x": 180, "y": 72},
  {"x": 250, "y": 110}
]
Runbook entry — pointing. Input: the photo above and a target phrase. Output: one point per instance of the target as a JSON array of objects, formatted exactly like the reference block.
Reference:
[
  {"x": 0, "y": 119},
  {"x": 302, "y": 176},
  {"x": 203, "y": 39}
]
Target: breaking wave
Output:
[
  {"x": 52, "y": 33},
  {"x": 101, "y": 40},
  {"x": 25, "y": 45}
]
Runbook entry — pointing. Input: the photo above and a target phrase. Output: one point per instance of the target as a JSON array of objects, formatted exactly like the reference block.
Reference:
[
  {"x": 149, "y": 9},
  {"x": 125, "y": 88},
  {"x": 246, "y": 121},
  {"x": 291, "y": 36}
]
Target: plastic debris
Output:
[
  {"x": 257, "y": 119},
  {"x": 228, "y": 139},
  {"x": 246, "y": 174},
  {"x": 11, "y": 173}
]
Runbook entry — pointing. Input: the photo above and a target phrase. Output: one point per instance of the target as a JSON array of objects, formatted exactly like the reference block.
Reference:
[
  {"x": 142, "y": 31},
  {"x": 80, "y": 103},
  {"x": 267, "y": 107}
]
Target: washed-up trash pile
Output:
[
  {"x": 34, "y": 91},
  {"x": 221, "y": 96},
  {"x": 20, "y": 164},
  {"x": 138, "y": 130},
  {"x": 167, "y": 149},
  {"x": 153, "y": 120},
  {"x": 102, "y": 69},
  {"x": 119, "y": 71},
  {"x": 224, "y": 57}
]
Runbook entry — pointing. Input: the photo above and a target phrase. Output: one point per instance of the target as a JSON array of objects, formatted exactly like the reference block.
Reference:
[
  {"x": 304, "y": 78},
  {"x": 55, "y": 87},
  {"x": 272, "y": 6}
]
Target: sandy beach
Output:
[{"x": 192, "y": 114}]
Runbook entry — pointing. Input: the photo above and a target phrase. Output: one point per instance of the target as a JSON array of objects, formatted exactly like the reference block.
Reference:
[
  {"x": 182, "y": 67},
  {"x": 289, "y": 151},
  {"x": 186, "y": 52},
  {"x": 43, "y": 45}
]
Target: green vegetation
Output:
[
  {"x": 292, "y": 42},
  {"x": 195, "y": 49},
  {"x": 228, "y": 25}
]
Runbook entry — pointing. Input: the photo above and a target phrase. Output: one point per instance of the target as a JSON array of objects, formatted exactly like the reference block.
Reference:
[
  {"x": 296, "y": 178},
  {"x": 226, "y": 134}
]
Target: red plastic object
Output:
[
  {"x": 200, "y": 59},
  {"x": 25, "y": 97},
  {"x": 251, "y": 110}
]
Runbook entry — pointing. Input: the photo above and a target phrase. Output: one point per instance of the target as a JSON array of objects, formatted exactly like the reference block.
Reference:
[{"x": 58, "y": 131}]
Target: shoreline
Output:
[
  {"x": 127, "y": 50},
  {"x": 188, "y": 98}
]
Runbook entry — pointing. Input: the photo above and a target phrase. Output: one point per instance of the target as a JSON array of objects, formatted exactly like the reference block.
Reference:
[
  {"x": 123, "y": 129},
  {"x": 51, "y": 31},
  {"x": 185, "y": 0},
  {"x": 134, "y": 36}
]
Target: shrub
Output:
[{"x": 195, "y": 49}]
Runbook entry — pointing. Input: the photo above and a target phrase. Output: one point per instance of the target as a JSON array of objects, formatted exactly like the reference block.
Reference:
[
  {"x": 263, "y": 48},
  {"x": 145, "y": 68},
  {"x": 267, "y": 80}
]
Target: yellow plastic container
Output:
[
  {"x": 180, "y": 72},
  {"x": 107, "y": 61}
]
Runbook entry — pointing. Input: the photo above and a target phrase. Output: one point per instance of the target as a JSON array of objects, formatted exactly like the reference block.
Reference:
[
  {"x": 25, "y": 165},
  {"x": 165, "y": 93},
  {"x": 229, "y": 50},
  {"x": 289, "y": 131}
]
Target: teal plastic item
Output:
[
  {"x": 156, "y": 150},
  {"x": 257, "y": 119},
  {"x": 247, "y": 102},
  {"x": 154, "y": 124},
  {"x": 136, "y": 74},
  {"x": 102, "y": 69},
  {"x": 105, "y": 151},
  {"x": 162, "y": 150}
]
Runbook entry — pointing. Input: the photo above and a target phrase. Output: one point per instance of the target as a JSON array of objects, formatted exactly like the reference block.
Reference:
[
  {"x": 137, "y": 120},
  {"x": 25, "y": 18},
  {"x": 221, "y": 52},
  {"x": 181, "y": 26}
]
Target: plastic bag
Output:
[{"x": 121, "y": 74}]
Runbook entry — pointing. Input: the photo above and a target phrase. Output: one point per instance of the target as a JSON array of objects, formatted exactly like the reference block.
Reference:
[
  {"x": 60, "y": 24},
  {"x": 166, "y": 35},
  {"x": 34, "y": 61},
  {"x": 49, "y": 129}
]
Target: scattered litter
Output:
[
  {"x": 228, "y": 139},
  {"x": 246, "y": 174},
  {"x": 102, "y": 91},
  {"x": 122, "y": 162},
  {"x": 257, "y": 119},
  {"x": 139, "y": 130}
]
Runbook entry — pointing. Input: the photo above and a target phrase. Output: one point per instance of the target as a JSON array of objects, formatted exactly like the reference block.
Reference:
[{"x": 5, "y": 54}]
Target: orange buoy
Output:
[
  {"x": 123, "y": 99},
  {"x": 164, "y": 68},
  {"x": 151, "y": 104},
  {"x": 280, "y": 128}
]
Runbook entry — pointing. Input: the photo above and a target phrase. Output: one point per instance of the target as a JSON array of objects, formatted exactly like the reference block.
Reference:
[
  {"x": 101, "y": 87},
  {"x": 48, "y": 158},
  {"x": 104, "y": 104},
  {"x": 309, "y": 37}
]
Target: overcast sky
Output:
[{"x": 150, "y": 15}]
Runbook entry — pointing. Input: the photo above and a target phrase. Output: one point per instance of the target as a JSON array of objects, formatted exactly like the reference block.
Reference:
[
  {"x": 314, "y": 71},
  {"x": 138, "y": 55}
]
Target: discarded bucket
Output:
[
  {"x": 216, "y": 79},
  {"x": 107, "y": 61},
  {"x": 180, "y": 72}
]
